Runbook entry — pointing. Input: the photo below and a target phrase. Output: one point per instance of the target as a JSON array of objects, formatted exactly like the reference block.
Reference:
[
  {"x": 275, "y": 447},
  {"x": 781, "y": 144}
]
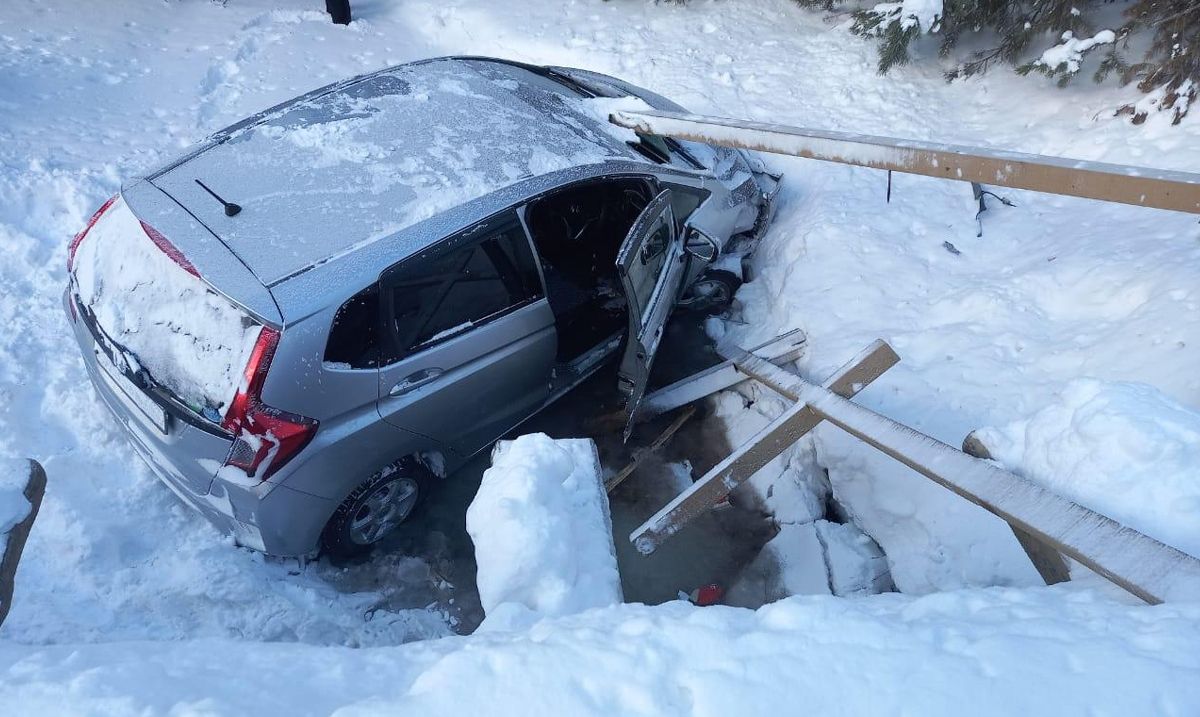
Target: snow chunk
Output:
[
  {"x": 1069, "y": 53},
  {"x": 925, "y": 14},
  {"x": 14, "y": 506},
  {"x": 542, "y": 531},
  {"x": 1123, "y": 449}
]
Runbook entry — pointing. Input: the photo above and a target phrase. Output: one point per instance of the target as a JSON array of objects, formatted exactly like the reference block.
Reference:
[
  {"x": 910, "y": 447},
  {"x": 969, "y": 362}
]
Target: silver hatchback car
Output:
[{"x": 304, "y": 318}]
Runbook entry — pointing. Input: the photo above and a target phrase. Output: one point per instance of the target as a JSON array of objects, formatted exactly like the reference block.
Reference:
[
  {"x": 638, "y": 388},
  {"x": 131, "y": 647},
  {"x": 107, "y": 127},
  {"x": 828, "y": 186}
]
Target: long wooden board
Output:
[
  {"x": 1140, "y": 186},
  {"x": 761, "y": 449},
  {"x": 1145, "y": 567}
]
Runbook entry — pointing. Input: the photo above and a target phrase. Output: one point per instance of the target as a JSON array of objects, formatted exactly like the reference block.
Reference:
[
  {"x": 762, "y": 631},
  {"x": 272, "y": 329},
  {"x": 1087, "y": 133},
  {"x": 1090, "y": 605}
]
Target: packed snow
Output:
[
  {"x": 542, "y": 531},
  {"x": 130, "y": 603}
]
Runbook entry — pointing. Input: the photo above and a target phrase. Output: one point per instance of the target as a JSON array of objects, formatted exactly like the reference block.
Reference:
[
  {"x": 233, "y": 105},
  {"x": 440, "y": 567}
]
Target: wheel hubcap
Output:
[{"x": 385, "y": 507}]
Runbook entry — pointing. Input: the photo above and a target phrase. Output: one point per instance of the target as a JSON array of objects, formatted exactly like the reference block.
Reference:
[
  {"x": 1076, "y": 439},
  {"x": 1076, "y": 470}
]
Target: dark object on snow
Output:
[
  {"x": 980, "y": 193},
  {"x": 12, "y": 543},
  {"x": 951, "y": 248},
  {"x": 339, "y": 10}
]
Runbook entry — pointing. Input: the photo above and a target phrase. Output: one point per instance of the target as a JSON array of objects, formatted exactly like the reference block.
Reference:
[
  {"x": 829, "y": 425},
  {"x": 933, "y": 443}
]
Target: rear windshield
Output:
[{"x": 193, "y": 342}]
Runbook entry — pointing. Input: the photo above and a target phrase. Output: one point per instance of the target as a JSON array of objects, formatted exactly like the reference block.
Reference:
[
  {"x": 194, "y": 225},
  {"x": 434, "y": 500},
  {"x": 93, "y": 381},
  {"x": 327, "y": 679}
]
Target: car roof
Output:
[{"x": 359, "y": 161}]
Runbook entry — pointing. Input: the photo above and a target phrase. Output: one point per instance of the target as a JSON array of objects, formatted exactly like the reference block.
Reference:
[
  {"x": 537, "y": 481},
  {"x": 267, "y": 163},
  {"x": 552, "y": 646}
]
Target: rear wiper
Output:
[
  {"x": 568, "y": 82},
  {"x": 231, "y": 209}
]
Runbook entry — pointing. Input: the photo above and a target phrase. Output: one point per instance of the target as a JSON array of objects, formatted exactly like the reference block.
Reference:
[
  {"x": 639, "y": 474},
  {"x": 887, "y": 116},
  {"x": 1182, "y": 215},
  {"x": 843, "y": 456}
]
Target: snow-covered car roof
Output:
[{"x": 362, "y": 160}]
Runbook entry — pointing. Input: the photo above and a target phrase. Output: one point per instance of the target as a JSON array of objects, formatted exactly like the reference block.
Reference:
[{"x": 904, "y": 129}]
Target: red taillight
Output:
[
  {"x": 169, "y": 249},
  {"x": 74, "y": 245},
  {"x": 263, "y": 434}
]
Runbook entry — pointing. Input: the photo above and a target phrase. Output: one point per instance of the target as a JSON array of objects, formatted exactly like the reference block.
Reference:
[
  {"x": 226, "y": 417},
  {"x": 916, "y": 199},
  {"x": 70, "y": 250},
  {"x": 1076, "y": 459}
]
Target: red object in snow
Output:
[{"x": 706, "y": 595}]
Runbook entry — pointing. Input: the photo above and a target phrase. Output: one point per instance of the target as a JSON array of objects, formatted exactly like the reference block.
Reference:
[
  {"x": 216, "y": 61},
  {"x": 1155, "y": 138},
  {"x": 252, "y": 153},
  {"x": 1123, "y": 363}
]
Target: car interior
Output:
[{"x": 578, "y": 232}]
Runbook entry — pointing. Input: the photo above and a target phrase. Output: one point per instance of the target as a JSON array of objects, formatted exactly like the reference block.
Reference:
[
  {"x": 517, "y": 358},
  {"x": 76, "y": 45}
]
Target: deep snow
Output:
[{"x": 122, "y": 587}]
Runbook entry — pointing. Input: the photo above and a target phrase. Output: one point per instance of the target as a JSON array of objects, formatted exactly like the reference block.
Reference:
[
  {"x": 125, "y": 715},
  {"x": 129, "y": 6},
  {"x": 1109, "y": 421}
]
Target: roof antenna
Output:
[{"x": 231, "y": 209}]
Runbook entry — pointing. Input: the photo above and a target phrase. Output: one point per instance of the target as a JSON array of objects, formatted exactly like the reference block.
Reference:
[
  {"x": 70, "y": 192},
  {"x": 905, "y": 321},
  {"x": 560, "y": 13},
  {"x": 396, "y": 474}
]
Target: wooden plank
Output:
[
  {"x": 1049, "y": 563},
  {"x": 1141, "y": 565},
  {"x": 761, "y": 449},
  {"x": 782, "y": 349},
  {"x": 13, "y": 542},
  {"x": 1139, "y": 186},
  {"x": 641, "y": 454}
]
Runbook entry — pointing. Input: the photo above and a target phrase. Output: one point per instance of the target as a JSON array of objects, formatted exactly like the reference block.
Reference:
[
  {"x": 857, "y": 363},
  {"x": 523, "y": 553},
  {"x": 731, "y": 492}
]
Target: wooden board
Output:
[
  {"x": 1139, "y": 186},
  {"x": 761, "y": 449},
  {"x": 1049, "y": 563},
  {"x": 644, "y": 452}
]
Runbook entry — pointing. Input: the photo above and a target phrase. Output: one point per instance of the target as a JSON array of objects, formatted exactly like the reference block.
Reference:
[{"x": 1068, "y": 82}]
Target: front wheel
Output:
[
  {"x": 375, "y": 510},
  {"x": 713, "y": 291}
]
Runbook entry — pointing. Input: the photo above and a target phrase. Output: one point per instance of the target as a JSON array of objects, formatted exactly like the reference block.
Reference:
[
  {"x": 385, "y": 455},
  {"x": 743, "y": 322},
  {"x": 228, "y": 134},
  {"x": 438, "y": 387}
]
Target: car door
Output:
[
  {"x": 469, "y": 338},
  {"x": 651, "y": 266}
]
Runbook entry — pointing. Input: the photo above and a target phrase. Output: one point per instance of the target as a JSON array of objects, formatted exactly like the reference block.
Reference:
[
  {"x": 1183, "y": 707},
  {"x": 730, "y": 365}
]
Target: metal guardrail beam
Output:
[{"x": 1139, "y": 186}]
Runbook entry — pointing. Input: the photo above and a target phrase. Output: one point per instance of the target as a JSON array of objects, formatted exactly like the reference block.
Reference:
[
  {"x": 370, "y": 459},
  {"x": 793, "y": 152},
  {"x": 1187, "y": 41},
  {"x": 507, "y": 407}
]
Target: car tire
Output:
[
  {"x": 714, "y": 291},
  {"x": 375, "y": 509}
]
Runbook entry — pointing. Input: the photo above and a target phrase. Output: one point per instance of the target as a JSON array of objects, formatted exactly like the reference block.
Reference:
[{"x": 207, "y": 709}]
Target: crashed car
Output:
[{"x": 303, "y": 319}]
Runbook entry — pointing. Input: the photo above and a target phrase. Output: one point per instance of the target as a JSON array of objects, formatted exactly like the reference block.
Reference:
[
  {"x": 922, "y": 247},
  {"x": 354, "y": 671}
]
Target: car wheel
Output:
[
  {"x": 375, "y": 510},
  {"x": 713, "y": 291}
]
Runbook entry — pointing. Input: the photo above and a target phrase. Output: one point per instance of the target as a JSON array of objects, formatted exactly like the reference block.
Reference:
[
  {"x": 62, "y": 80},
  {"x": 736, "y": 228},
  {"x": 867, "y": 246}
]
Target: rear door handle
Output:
[{"x": 415, "y": 380}]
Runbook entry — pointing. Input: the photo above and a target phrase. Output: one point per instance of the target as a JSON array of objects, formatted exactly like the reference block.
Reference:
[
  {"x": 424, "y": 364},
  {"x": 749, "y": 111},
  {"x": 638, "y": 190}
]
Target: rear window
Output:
[
  {"x": 463, "y": 284},
  {"x": 161, "y": 318}
]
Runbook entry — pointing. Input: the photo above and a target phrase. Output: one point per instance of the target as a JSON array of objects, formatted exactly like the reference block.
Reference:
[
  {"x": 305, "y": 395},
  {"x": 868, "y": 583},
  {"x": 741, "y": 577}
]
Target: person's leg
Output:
[{"x": 339, "y": 10}]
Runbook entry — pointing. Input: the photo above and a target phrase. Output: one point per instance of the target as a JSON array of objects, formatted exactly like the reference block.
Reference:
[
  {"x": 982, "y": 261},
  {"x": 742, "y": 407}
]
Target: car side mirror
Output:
[{"x": 701, "y": 246}]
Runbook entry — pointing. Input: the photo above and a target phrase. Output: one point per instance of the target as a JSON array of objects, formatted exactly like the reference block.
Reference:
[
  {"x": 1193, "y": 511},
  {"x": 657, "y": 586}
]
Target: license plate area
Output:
[{"x": 148, "y": 407}]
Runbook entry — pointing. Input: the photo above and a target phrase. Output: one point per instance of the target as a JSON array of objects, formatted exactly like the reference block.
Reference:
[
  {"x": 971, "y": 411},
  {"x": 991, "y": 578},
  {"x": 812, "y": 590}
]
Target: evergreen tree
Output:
[{"x": 1050, "y": 37}]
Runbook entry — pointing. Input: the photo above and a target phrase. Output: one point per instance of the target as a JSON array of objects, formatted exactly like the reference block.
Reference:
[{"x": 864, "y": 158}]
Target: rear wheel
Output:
[{"x": 375, "y": 510}]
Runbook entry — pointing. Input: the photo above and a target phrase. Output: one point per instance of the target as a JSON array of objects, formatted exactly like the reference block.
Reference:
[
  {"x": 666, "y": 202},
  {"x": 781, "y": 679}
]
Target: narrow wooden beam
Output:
[
  {"x": 12, "y": 542},
  {"x": 644, "y": 452},
  {"x": 1137, "y": 563},
  {"x": 761, "y": 449},
  {"x": 1049, "y": 563},
  {"x": 1139, "y": 186}
]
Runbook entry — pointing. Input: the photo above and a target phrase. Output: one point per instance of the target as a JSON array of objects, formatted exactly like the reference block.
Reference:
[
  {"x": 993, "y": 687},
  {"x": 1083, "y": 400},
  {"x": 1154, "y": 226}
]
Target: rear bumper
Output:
[{"x": 264, "y": 516}]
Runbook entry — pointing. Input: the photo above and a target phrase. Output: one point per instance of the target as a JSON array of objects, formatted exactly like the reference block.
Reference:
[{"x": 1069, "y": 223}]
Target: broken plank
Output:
[
  {"x": 1049, "y": 563},
  {"x": 781, "y": 349},
  {"x": 761, "y": 449},
  {"x": 1151, "y": 570},
  {"x": 641, "y": 454}
]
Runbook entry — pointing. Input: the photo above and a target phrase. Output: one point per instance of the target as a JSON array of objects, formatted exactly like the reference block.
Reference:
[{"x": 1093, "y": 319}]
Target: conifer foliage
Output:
[{"x": 1154, "y": 44}]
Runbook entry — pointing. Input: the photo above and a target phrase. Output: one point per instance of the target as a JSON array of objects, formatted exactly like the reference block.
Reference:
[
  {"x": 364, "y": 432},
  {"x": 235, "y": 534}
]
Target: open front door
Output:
[{"x": 651, "y": 265}]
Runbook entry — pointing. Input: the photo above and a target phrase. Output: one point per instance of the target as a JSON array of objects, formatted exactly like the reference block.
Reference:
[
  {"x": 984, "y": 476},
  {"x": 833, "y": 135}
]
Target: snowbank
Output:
[
  {"x": 1123, "y": 449},
  {"x": 994, "y": 651},
  {"x": 14, "y": 506},
  {"x": 542, "y": 531}
]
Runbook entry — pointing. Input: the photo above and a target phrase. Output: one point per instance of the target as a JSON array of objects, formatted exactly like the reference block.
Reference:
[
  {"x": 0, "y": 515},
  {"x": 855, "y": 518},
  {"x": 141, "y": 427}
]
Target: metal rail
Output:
[{"x": 1139, "y": 186}]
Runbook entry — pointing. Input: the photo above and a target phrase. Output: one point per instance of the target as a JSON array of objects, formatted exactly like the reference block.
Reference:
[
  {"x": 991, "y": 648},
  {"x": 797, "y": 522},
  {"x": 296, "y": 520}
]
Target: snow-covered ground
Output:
[{"x": 129, "y": 603}]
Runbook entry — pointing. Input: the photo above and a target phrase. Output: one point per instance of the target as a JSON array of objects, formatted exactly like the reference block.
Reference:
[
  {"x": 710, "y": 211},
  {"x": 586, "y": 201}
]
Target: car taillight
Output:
[
  {"x": 263, "y": 437},
  {"x": 169, "y": 249},
  {"x": 74, "y": 245}
]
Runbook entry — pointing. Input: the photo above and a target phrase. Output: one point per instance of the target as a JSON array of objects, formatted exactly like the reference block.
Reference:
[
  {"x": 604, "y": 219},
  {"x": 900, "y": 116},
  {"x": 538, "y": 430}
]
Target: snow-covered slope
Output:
[{"x": 1054, "y": 290}]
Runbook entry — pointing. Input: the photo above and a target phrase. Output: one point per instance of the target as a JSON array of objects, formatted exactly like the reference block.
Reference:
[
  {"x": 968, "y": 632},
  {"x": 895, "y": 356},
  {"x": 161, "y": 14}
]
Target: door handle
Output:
[{"x": 415, "y": 380}]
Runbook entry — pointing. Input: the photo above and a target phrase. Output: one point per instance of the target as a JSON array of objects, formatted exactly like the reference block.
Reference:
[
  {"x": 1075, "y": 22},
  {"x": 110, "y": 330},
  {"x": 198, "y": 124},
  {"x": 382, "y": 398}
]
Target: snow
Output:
[
  {"x": 188, "y": 338},
  {"x": 1008, "y": 651},
  {"x": 1068, "y": 54},
  {"x": 1123, "y": 449},
  {"x": 14, "y": 506},
  {"x": 139, "y": 607},
  {"x": 923, "y": 14},
  {"x": 542, "y": 531}
]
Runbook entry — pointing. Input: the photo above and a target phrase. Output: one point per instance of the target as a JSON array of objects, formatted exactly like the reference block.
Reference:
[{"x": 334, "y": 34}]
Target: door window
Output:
[{"x": 461, "y": 283}]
